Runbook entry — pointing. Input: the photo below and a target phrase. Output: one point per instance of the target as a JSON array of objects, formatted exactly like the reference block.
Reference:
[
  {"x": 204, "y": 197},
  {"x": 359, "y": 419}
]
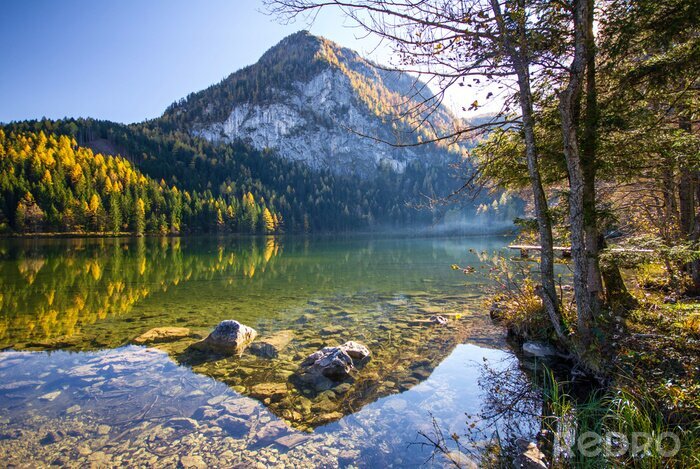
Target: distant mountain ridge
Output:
[{"x": 310, "y": 99}]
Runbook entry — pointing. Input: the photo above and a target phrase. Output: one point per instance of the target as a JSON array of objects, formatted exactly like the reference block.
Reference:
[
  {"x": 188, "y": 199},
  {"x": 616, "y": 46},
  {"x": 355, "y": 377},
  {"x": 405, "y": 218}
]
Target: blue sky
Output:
[{"x": 127, "y": 60}]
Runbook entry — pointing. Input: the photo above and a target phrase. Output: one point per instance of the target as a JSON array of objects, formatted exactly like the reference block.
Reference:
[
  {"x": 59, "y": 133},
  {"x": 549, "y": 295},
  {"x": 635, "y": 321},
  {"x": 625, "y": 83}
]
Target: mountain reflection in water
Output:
[
  {"x": 132, "y": 404},
  {"x": 135, "y": 406}
]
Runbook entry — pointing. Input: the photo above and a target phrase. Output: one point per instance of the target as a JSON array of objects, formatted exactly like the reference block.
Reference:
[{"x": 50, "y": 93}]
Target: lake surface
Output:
[{"x": 74, "y": 390}]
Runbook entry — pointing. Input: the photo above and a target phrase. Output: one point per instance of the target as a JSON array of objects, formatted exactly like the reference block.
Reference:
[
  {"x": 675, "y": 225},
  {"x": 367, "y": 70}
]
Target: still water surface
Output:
[{"x": 74, "y": 390}]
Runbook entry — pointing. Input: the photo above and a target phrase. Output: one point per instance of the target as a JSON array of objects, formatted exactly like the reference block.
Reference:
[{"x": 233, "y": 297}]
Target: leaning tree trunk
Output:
[
  {"x": 569, "y": 101},
  {"x": 548, "y": 292},
  {"x": 518, "y": 57}
]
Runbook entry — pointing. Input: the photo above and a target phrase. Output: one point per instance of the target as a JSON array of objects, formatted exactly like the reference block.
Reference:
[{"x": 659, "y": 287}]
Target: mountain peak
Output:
[
  {"x": 301, "y": 98},
  {"x": 301, "y": 45}
]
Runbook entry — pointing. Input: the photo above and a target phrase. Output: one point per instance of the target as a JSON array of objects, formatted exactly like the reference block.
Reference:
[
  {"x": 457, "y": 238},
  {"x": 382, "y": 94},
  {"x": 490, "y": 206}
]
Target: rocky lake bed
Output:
[{"x": 158, "y": 397}]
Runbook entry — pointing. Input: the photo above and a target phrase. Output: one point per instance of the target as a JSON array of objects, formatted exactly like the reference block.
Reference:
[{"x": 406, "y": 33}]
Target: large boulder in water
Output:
[
  {"x": 331, "y": 365},
  {"x": 229, "y": 337}
]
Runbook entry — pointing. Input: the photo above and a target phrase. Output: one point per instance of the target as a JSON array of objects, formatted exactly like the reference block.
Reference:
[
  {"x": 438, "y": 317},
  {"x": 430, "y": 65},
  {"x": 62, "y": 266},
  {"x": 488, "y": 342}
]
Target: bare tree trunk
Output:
[
  {"x": 686, "y": 191},
  {"x": 589, "y": 168},
  {"x": 548, "y": 292},
  {"x": 688, "y": 220},
  {"x": 695, "y": 237},
  {"x": 686, "y": 202},
  {"x": 670, "y": 210},
  {"x": 618, "y": 296},
  {"x": 569, "y": 99}
]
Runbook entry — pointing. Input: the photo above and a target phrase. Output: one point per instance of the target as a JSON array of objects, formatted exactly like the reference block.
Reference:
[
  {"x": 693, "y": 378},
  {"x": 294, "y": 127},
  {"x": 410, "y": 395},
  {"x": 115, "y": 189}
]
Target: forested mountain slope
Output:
[{"x": 49, "y": 183}]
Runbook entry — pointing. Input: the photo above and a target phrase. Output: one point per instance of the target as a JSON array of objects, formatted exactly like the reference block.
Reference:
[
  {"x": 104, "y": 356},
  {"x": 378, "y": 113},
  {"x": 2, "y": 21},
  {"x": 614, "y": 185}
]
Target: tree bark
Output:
[
  {"x": 589, "y": 166},
  {"x": 549, "y": 292},
  {"x": 669, "y": 217},
  {"x": 688, "y": 220},
  {"x": 686, "y": 202},
  {"x": 618, "y": 297},
  {"x": 569, "y": 99},
  {"x": 695, "y": 238},
  {"x": 518, "y": 57},
  {"x": 686, "y": 191}
]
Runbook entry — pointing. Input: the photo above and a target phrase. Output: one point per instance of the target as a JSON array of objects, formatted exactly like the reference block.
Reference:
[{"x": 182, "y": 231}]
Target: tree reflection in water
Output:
[
  {"x": 52, "y": 290},
  {"x": 511, "y": 412}
]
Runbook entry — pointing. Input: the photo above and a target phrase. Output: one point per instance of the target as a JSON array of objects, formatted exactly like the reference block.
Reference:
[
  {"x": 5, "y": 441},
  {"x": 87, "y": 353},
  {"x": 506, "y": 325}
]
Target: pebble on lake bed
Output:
[{"x": 437, "y": 319}]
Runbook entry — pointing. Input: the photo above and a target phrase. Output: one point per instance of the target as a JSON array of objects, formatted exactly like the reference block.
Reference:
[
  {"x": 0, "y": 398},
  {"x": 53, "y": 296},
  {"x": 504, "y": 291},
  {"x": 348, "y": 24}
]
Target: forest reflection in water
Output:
[{"x": 51, "y": 289}]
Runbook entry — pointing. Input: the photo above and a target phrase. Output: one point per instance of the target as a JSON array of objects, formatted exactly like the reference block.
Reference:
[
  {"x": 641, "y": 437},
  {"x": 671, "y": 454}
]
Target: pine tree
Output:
[
  {"x": 219, "y": 220},
  {"x": 115, "y": 213},
  {"x": 268, "y": 221},
  {"x": 21, "y": 217},
  {"x": 94, "y": 212},
  {"x": 140, "y": 218}
]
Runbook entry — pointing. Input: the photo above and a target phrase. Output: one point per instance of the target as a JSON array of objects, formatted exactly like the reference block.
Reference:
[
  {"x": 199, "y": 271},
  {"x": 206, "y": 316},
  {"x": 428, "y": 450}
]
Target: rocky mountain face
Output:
[{"x": 311, "y": 100}]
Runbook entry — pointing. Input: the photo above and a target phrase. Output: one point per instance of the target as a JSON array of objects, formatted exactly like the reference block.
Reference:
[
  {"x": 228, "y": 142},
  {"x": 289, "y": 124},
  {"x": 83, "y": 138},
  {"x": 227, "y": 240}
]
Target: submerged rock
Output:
[
  {"x": 206, "y": 413},
  {"x": 192, "y": 462},
  {"x": 358, "y": 352},
  {"x": 437, "y": 319},
  {"x": 322, "y": 369},
  {"x": 263, "y": 350},
  {"x": 50, "y": 396},
  {"x": 49, "y": 439},
  {"x": 270, "y": 432},
  {"x": 290, "y": 441},
  {"x": 234, "y": 426},
  {"x": 270, "y": 347},
  {"x": 273, "y": 391},
  {"x": 183, "y": 423},
  {"x": 162, "y": 334},
  {"x": 229, "y": 337}
]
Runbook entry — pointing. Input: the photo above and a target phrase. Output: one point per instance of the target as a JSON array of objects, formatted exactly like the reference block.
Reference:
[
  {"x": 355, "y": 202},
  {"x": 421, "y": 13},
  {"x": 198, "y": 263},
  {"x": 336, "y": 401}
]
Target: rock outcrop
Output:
[{"x": 303, "y": 97}]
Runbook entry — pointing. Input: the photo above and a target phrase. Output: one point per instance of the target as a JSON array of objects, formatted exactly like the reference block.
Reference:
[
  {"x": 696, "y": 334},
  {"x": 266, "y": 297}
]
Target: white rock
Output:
[{"x": 539, "y": 349}]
